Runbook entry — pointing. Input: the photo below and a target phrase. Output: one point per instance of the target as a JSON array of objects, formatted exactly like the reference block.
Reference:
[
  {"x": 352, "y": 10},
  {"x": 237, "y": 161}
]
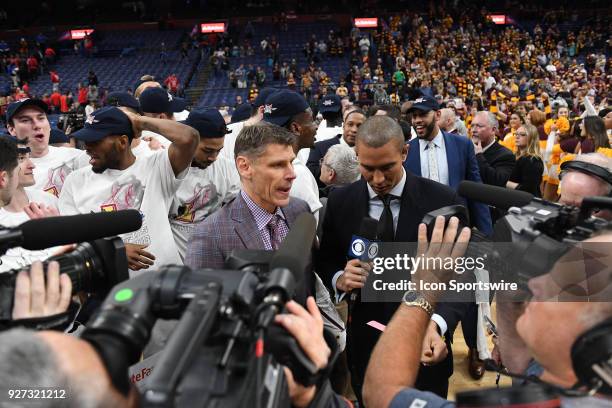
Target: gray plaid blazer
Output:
[{"x": 231, "y": 227}]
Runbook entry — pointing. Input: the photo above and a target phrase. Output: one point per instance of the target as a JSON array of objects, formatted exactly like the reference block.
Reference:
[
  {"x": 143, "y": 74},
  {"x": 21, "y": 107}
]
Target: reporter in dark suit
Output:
[
  {"x": 453, "y": 157},
  {"x": 407, "y": 198},
  {"x": 352, "y": 121},
  {"x": 494, "y": 160}
]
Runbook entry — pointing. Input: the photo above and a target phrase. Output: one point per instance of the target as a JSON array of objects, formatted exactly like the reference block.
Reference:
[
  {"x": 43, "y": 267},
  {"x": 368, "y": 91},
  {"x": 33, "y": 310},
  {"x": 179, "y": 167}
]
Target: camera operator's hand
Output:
[
  {"x": 354, "y": 276},
  {"x": 137, "y": 257},
  {"x": 35, "y": 211},
  {"x": 306, "y": 326},
  {"x": 434, "y": 348},
  {"x": 36, "y": 298},
  {"x": 442, "y": 245}
]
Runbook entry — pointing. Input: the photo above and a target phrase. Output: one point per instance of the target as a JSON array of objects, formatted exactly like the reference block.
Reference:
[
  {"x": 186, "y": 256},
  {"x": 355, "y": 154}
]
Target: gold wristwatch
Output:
[{"x": 414, "y": 298}]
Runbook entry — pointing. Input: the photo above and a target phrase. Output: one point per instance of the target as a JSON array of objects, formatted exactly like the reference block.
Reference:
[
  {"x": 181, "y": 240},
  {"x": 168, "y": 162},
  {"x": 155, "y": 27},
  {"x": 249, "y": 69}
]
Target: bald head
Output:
[
  {"x": 447, "y": 120},
  {"x": 377, "y": 131}
]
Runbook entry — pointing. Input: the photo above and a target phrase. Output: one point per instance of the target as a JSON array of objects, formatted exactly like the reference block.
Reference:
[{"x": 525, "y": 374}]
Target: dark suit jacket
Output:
[
  {"x": 346, "y": 207},
  {"x": 317, "y": 153},
  {"x": 462, "y": 165},
  {"x": 496, "y": 164},
  {"x": 233, "y": 227}
]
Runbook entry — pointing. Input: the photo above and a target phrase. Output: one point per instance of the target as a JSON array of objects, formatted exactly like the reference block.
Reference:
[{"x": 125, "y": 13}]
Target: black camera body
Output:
[
  {"x": 211, "y": 356},
  {"x": 528, "y": 240},
  {"x": 93, "y": 267},
  {"x": 225, "y": 349}
]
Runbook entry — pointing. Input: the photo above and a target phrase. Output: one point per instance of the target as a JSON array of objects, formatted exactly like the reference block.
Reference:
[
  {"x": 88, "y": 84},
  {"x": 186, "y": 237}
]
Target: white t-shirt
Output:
[
  {"x": 201, "y": 193},
  {"x": 17, "y": 257},
  {"x": 148, "y": 185},
  {"x": 143, "y": 149},
  {"x": 164, "y": 142},
  {"x": 305, "y": 187},
  {"x": 230, "y": 140},
  {"x": 51, "y": 170},
  {"x": 229, "y": 143},
  {"x": 182, "y": 115}
]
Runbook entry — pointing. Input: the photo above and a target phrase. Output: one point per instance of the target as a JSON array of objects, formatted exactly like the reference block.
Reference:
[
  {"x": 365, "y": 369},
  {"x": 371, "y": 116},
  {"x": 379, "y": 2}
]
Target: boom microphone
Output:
[
  {"x": 53, "y": 231},
  {"x": 287, "y": 267},
  {"x": 499, "y": 197}
]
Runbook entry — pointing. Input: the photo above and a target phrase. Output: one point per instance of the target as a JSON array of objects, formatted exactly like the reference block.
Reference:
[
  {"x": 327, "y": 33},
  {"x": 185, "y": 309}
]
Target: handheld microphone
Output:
[
  {"x": 499, "y": 197},
  {"x": 53, "y": 231},
  {"x": 360, "y": 243}
]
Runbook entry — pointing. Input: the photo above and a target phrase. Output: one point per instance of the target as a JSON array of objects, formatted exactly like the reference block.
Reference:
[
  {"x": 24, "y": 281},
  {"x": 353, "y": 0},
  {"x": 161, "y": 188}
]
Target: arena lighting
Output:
[
  {"x": 369, "y": 22},
  {"x": 80, "y": 33},
  {"x": 497, "y": 18},
  {"x": 212, "y": 28}
]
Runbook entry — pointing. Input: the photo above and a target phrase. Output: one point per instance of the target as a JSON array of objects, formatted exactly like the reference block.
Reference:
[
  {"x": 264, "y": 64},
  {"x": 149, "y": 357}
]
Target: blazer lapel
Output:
[
  {"x": 413, "y": 161},
  {"x": 362, "y": 203},
  {"x": 452, "y": 157},
  {"x": 245, "y": 225}
]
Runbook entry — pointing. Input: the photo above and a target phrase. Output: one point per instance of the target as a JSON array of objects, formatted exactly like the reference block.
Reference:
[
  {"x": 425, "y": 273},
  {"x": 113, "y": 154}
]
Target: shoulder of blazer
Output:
[
  {"x": 329, "y": 142},
  {"x": 347, "y": 193},
  {"x": 457, "y": 139},
  {"x": 504, "y": 151},
  {"x": 297, "y": 206},
  {"x": 421, "y": 187}
]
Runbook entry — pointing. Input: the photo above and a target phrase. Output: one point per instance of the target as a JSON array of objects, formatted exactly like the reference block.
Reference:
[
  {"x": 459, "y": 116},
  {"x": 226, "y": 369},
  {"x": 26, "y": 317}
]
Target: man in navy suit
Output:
[
  {"x": 444, "y": 157},
  {"x": 449, "y": 158}
]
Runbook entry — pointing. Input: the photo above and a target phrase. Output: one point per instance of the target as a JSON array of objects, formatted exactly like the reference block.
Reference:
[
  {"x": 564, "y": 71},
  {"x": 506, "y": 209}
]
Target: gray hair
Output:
[
  {"x": 253, "y": 140},
  {"x": 377, "y": 131},
  {"x": 491, "y": 118},
  {"x": 27, "y": 361},
  {"x": 343, "y": 160}
]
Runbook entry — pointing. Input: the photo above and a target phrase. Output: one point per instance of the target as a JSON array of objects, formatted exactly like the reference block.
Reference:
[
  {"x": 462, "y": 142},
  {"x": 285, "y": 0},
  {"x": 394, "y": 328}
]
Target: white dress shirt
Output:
[{"x": 440, "y": 147}]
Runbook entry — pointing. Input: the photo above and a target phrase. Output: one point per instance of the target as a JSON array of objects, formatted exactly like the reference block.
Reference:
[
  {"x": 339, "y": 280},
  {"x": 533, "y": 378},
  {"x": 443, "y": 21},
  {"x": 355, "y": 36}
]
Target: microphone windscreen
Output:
[
  {"x": 53, "y": 231},
  {"x": 294, "y": 251},
  {"x": 367, "y": 229},
  {"x": 498, "y": 197}
]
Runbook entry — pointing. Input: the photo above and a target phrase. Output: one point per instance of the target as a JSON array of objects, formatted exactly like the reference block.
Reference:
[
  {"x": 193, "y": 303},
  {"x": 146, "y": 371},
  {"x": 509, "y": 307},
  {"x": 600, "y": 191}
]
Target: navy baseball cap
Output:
[
  {"x": 104, "y": 122},
  {"x": 424, "y": 103},
  {"x": 281, "y": 106},
  {"x": 158, "y": 100},
  {"x": 260, "y": 100},
  {"x": 242, "y": 112},
  {"x": 57, "y": 136},
  {"x": 124, "y": 99},
  {"x": 209, "y": 123},
  {"x": 330, "y": 103},
  {"x": 15, "y": 107}
]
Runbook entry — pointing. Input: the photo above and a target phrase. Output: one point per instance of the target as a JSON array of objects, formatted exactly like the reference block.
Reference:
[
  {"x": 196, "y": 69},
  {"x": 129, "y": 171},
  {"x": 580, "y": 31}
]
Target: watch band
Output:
[{"x": 418, "y": 300}]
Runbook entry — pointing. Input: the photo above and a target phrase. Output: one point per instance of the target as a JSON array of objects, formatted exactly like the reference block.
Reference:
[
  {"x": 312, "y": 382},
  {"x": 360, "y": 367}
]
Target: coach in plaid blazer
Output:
[
  {"x": 262, "y": 214},
  {"x": 232, "y": 227}
]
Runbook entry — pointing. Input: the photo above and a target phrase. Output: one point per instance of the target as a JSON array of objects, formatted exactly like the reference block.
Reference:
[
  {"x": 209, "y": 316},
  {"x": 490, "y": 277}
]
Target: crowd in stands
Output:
[{"x": 429, "y": 101}]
